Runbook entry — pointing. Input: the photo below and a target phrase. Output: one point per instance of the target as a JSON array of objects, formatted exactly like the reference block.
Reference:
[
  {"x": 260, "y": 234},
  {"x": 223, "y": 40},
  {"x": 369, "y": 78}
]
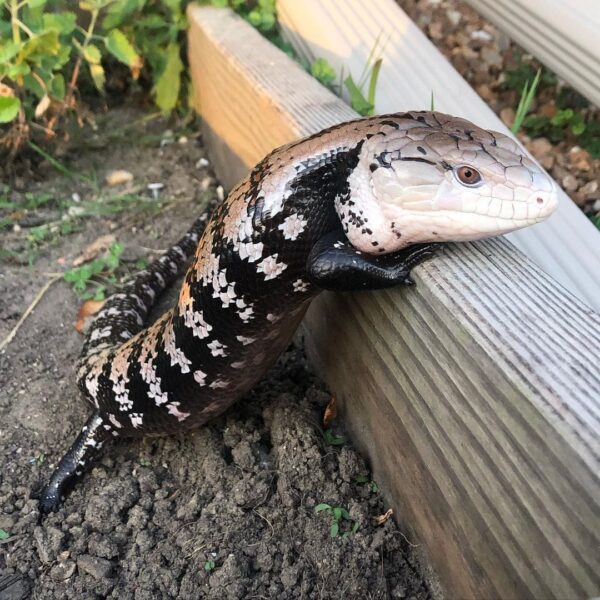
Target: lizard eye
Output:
[{"x": 468, "y": 175}]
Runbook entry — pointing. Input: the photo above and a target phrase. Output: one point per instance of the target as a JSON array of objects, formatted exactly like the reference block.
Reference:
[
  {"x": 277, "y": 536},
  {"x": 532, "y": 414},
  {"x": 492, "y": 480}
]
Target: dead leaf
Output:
[
  {"x": 86, "y": 311},
  {"x": 119, "y": 177},
  {"x": 330, "y": 413},
  {"x": 42, "y": 106},
  {"x": 381, "y": 519},
  {"x": 136, "y": 67},
  {"x": 5, "y": 90},
  {"x": 99, "y": 245}
]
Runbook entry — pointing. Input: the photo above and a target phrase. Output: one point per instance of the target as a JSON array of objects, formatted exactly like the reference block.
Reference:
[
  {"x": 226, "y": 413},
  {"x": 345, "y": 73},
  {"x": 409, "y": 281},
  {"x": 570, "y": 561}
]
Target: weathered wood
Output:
[
  {"x": 475, "y": 394},
  {"x": 567, "y": 246}
]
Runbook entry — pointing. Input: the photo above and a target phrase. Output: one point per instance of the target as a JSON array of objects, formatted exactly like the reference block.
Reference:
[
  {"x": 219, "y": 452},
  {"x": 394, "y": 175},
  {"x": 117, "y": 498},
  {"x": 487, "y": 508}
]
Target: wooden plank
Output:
[
  {"x": 563, "y": 34},
  {"x": 567, "y": 246},
  {"x": 475, "y": 394}
]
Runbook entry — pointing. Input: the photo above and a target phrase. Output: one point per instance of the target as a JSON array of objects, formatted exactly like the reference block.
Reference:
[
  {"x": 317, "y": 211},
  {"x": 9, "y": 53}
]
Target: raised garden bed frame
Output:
[{"x": 473, "y": 394}]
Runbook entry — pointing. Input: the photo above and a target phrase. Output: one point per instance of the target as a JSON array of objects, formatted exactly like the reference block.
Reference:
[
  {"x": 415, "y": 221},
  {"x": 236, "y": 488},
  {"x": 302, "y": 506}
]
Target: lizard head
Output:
[{"x": 426, "y": 176}]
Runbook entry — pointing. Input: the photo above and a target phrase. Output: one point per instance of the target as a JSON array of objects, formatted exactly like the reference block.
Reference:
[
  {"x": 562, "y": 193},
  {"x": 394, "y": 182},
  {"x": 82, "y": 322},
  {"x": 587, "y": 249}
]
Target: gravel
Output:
[{"x": 482, "y": 54}]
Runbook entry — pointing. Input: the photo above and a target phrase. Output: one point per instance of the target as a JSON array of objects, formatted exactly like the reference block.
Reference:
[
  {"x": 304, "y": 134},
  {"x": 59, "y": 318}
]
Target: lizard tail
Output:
[{"x": 124, "y": 314}]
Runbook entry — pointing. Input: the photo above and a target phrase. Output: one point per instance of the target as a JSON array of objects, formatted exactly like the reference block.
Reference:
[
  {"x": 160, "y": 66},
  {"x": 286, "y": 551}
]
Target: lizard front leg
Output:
[{"x": 334, "y": 264}]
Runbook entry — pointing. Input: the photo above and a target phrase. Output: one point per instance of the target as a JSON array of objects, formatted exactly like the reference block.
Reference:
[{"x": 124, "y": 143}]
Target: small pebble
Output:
[
  {"x": 481, "y": 35},
  {"x": 569, "y": 183},
  {"x": 220, "y": 193},
  {"x": 119, "y": 177},
  {"x": 202, "y": 163},
  {"x": 590, "y": 188}
]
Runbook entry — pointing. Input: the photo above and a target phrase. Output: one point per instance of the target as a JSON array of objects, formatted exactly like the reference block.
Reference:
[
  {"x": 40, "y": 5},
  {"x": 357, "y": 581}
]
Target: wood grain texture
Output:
[
  {"x": 476, "y": 395},
  {"x": 345, "y": 31}
]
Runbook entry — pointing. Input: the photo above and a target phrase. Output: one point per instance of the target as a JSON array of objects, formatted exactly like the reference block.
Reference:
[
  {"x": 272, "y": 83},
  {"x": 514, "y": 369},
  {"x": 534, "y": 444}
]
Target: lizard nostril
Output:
[{"x": 539, "y": 200}]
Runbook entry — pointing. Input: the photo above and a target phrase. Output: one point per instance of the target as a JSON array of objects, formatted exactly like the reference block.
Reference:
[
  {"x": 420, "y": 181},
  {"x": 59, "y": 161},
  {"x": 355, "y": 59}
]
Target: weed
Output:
[
  {"x": 4, "y": 535},
  {"x": 524, "y": 72},
  {"x": 322, "y": 71},
  {"x": 91, "y": 280},
  {"x": 525, "y": 102},
  {"x": 565, "y": 121},
  {"x": 365, "y": 105},
  {"x": 209, "y": 566},
  {"x": 339, "y": 515},
  {"x": 364, "y": 479},
  {"x": 333, "y": 440}
]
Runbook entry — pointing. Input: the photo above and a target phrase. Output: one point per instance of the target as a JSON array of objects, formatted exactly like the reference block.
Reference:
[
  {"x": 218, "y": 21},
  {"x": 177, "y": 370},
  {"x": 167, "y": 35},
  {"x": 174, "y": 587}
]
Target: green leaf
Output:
[
  {"x": 8, "y": 50},
  {"x": 333, "y": 440},
  {"x": 166, "y": 89},
  {"x": 63, "y": 22},
  {"x": 337, "y": 513},
  {"x": 209, "y": 565},
  {"x": 373, "y": 82},
  {"x": 9, "y": 108},
  {"x": 152, "y": 21},
  {"x": 577, "y": 124},
  {"x": 357, "y": 100},
  {"x": 40, "y": 46},
  {"x": 120, "y": 47},
  {"x": 97, "y": 73},
  {"x": 334, "y": 529},
  {"x": 36, "y": 3},
  {"x": 118, "y": 12},
  {"x": 92, "y": 54},
  {"x": 323, "y": 506},
  {"x": 323, "y": 71},
  {"x": 562, "y": 117},
  {"x": 345, "y": 514},
  {"x": 57, "y": 87},
  {"x": 4, "y": 534}
]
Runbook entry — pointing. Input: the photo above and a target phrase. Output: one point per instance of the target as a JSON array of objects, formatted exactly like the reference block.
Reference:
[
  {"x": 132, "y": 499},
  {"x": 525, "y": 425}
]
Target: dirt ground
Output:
[{"x": 227, "y": 512}]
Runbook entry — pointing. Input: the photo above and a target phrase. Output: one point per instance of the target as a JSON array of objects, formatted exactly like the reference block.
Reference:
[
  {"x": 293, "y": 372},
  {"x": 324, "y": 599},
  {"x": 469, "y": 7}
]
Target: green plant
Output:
[
  {"x": 48, "y": 52},
  {"x": 322, "y": 71},
  {"x": 364, "y": 479},
  {"x": 586, "y": 134},
  {"x": 364, "y": 105},
  {"x": 92, "y": 279},
  {"x": 590, "y": 138},
  {"x": 333, "y": 440},
  {"x": 525, "y": 102},
  {"x": 569, "y": 118},
  {"x": 338, "y": 516},
  {"x": 4, "y": 535},
  {"x": 516, "y": 79},
  {"x": 209, "y": 566}
]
